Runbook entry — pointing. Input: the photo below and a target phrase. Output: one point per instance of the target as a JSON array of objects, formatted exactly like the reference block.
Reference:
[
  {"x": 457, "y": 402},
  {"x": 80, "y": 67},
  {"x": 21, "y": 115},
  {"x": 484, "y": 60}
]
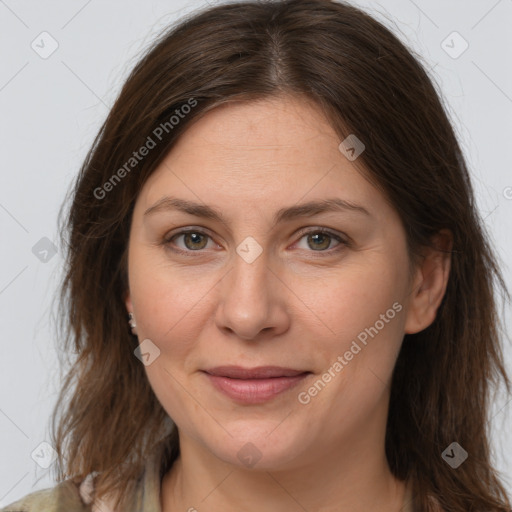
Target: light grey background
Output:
[{"x": 52, "y": 107}]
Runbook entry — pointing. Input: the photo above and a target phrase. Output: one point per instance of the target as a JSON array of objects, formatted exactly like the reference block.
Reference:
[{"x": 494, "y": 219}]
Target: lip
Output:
[
  {"x": 254, "y": 385},
  {"x": 259, "y": 372}
]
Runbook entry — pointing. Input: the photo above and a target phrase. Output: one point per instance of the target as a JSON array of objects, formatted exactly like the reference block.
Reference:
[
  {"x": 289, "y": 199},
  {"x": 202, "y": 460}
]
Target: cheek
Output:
[
  {"x": 354, "y": 300},
  {"x": 171, "y": 390},
  {"x": 168, "y": 310},
  {"x": 173, "y": 305},
  {"x": 363, "y": 311}
]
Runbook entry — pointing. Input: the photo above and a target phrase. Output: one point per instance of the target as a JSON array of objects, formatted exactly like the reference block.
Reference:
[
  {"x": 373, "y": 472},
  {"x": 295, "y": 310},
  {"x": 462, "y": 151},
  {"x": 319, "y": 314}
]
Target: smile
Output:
[{"x": 242, "y": 386}]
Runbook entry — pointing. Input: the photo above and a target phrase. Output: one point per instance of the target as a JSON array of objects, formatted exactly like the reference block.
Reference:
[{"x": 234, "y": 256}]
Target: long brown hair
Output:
[{"x": 368, "y": 83}]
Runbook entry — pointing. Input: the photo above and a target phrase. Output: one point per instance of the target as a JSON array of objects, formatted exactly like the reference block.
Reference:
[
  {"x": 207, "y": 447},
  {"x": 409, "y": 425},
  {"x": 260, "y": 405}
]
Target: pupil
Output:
[
  {"x": 195, "y": 238},
  {"x": 322, "y": 236}
]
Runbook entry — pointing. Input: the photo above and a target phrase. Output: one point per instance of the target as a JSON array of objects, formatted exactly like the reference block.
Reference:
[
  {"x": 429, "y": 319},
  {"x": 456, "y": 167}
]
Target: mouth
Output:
[{"x": 254, "y": 385}]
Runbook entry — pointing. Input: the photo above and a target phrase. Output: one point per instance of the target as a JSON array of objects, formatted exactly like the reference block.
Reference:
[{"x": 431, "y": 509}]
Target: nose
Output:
[{"x": 252, "y": 303}]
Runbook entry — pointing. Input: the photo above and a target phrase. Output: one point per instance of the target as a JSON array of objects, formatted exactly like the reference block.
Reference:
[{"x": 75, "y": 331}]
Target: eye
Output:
[
  {"x": 194, "y": 240},
  {"x": 319, "y": 240}
]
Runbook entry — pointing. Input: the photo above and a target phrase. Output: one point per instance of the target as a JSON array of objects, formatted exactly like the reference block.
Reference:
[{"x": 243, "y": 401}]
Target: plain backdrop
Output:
[{"x": 52, "y": 106}]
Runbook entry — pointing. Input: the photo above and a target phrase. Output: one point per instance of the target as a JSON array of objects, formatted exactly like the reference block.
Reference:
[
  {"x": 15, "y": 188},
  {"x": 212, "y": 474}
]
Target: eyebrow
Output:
[{"x": 311, "y": 208}]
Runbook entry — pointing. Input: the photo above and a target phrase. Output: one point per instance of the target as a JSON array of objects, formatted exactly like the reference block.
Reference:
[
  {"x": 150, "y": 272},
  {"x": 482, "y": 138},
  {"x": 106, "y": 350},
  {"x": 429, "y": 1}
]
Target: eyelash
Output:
[{"x": 342, "y": 241}]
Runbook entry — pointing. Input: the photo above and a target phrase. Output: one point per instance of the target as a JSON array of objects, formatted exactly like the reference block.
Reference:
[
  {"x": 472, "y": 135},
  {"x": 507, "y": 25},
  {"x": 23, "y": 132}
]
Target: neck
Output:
[{"x": 354, "y": 478}]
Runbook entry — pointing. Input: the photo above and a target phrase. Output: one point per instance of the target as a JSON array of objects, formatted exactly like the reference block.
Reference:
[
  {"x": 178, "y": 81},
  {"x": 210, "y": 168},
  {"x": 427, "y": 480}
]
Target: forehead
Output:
[
  {"x": 259, "y": 154},
  {"x": 275, "y": 120},
  {"x": 255, "y": 135}
]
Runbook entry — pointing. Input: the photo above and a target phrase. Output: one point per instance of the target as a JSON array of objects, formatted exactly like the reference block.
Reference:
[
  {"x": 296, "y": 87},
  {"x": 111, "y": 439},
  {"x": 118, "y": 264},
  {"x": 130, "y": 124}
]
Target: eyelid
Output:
[
  {"x": 340, "y": 237},
  {"x": 318, "y": 229},
  {"x": 166, "y": 240}
]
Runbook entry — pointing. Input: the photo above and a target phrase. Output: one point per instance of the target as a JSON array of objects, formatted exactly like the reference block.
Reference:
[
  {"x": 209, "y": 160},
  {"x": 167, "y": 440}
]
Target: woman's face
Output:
[{"x": 264, "y": 288}]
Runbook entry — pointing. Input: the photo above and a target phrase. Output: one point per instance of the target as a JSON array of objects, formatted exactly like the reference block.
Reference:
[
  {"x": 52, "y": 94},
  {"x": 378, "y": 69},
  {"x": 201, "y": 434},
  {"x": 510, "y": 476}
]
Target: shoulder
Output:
[{"x": 63, "y": 497}]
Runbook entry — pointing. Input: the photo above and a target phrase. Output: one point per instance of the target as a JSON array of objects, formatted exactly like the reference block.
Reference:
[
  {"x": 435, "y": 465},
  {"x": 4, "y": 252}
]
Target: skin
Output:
[{"x": 299, "y": 304}]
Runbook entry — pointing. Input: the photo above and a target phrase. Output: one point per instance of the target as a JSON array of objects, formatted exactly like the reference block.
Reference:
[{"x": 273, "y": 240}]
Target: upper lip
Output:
[{"x": 259, "y": 372}]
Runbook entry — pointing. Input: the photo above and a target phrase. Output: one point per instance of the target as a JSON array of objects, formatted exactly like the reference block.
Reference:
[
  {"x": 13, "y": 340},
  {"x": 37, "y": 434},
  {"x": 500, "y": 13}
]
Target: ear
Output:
[
  {"x": 429, "y": 283},
  {"x": 129, "y": 308},
  {"x": 128, "y": 302}
]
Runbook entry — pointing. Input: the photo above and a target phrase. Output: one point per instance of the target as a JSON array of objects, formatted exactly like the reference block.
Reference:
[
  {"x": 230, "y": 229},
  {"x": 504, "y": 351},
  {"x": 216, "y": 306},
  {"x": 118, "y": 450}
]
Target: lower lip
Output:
[{"x": 254, "y": 391}]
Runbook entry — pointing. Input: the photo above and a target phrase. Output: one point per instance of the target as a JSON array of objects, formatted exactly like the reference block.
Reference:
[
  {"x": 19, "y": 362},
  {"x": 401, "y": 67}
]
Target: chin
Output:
[{"x": 258, "y": 445}]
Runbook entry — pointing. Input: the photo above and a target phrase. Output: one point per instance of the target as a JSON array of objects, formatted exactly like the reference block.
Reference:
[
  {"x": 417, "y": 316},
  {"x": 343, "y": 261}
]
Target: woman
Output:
[{"x": 278, "y": 286}]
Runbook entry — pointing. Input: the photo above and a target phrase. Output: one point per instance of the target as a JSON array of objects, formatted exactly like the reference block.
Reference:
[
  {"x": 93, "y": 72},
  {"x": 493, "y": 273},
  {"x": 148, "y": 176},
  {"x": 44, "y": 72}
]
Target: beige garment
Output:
[{"x": 70, "y": 497}]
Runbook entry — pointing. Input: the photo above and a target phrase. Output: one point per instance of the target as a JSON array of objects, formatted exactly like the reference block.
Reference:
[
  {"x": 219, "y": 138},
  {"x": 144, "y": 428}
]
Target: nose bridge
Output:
[
  {"x": 249, "y": 301},
  {"x": 249, "y": 279}
]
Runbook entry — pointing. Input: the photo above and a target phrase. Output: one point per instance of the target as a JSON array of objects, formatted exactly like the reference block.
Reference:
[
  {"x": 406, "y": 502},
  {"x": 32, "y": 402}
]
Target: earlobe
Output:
[
  {"x": 132, "y": 323},
  {"x": 430, "y": 283},
  {"x": 131, "y": 317}
]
